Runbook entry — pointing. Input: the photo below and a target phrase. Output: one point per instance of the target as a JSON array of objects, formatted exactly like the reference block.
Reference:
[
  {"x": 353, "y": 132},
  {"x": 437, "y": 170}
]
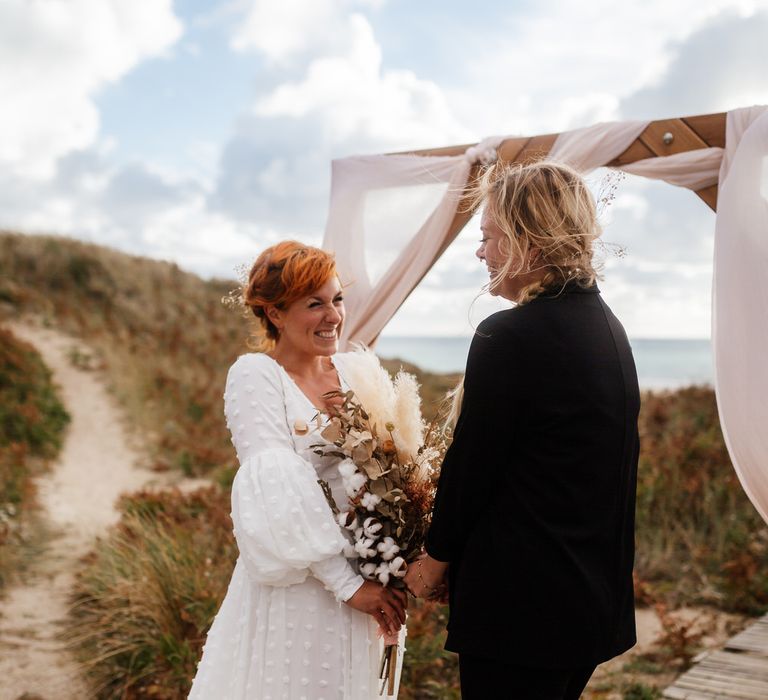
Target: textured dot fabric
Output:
[{"x": 283, "y": 631}]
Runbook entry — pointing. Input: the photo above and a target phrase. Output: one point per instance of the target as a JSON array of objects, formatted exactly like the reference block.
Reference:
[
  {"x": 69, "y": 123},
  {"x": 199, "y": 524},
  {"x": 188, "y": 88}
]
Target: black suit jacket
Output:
[{"x": 535, "y": 504}]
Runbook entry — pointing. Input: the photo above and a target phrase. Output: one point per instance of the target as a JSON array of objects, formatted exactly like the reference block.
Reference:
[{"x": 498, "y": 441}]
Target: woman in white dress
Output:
[{"x": 298, "y": 622}]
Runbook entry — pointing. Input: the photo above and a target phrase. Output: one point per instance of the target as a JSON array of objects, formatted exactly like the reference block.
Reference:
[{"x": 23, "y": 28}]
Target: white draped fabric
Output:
[
  {"x": 593, "y": 147},
  {"x": 388, "y": 223},
  {"x": 740, "y": 302},
  {"x": 390, "y": 219}
]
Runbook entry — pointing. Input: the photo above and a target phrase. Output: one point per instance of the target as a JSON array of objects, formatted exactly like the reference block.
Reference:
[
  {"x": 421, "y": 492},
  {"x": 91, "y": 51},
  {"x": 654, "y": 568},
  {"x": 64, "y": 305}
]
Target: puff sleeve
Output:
[{"x": 282, "y": 522}]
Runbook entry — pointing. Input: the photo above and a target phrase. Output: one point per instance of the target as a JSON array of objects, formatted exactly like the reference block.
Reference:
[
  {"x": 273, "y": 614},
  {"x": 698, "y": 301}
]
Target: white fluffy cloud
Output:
[
  {"x": 661, "y": 287},
  {"x": 284, "y": 30},
  {"x": 55, "y": 55},
  {"x": 721, "y": 66},
  {"x": 57, "y": 173},
  {"x": 135, "y": 208},
  {"x": 275, "y": 168},
  {"x": 359, "y": 103},
  {"x": 568, "y": 64}
]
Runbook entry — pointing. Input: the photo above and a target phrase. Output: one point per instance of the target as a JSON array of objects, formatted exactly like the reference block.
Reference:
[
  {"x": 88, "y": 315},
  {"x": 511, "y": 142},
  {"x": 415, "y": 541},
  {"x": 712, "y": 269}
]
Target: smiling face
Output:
[
  {"x": 494, "y": 252},
  {"x": 489, "y": 251},
  {"x": 311, "y": 325}
]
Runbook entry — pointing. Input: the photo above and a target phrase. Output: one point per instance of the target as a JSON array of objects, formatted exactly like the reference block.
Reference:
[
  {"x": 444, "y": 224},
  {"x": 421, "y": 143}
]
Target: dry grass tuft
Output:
[
  {"x": 699, "y": 539},
  {"x": 148, "y": 593}
]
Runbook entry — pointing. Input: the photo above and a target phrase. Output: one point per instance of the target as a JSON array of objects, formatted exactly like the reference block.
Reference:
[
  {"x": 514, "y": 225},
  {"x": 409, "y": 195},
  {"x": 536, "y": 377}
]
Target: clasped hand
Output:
[
  {"x": 427, "y": 578},
  {"x": 387, "y": 605}
]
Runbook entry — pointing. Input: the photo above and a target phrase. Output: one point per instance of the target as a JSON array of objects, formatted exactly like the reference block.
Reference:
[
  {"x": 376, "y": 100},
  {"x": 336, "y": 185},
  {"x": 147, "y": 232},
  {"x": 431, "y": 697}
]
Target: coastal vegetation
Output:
[
  {"x": 32, "y": 422},
  {"x": 146, "y": 595},
  {"x": 162, "y": 335}
]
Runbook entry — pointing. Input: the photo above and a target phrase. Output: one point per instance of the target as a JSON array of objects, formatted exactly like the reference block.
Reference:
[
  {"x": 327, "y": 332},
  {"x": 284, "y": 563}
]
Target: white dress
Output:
[{"x": 283, "y": 632}]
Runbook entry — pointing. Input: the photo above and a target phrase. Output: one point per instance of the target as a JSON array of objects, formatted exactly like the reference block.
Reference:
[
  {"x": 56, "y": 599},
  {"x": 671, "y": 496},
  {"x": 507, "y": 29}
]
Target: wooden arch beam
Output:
[{"x": 688, "y": 134}]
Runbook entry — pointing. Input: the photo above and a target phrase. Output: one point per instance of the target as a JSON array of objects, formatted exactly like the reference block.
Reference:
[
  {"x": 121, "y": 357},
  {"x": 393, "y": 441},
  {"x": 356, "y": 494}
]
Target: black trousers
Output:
[{"x": 492, "y": 679}]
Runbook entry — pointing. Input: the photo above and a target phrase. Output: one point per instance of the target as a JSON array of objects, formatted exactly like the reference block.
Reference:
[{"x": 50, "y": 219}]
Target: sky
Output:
[{"x": 201, "y": 131}]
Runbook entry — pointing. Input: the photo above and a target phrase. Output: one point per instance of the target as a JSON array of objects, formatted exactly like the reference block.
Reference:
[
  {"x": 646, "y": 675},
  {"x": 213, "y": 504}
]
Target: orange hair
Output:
[{"x": 282, "y": 274}]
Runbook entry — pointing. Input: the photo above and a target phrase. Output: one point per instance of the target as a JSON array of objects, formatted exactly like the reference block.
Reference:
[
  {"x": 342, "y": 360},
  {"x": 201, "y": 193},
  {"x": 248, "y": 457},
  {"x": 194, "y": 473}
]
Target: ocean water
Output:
[{"x": 662, "y": 363}]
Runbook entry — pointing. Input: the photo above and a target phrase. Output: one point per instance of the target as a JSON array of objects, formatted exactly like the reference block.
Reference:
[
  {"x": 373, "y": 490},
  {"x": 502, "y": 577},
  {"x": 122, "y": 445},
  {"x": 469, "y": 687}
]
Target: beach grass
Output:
[{"x": 147, "y": 594}]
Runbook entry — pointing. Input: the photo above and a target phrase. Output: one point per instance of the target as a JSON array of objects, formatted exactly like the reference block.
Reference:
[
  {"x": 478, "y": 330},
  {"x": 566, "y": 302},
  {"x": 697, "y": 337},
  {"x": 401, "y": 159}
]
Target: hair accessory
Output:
[{"x": 235, "y": 298}]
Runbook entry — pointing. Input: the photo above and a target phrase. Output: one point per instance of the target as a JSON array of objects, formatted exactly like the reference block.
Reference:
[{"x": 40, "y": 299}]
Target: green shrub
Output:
[
  {"x": 30, "y": 411},
  {"x": 428, "y": 670},
  {"x": 640, "y": 691},
  {"x": 32, "y": 422}
]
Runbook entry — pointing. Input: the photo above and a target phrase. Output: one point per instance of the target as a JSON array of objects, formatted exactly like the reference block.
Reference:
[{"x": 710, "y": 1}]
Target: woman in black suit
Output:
[{"x": 534, "y": 514}]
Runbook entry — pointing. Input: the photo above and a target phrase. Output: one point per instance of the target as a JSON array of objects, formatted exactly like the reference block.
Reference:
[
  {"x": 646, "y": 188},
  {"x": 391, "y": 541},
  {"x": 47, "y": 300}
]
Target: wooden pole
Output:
[{"x": 687, "y": 134}]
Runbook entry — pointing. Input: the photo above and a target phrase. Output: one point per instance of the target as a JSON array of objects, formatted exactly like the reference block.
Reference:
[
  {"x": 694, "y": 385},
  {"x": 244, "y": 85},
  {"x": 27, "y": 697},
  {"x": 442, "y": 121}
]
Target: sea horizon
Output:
[{"x": 662, "y": 363}]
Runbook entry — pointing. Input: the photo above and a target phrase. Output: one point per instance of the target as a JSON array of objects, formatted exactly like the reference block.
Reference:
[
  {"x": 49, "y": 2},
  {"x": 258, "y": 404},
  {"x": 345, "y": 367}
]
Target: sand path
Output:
[{"x": 97, "y": 463}]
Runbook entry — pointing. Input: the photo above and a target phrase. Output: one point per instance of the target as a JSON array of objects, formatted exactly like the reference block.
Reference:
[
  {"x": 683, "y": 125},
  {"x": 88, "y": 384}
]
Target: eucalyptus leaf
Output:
[
  {"x": 332, "y": 432},
  {"x": 360, "y": 454},
  {"x": 378, "y": 488}
]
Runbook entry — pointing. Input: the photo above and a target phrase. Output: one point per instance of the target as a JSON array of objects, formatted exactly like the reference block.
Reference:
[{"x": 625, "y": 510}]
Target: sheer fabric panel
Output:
[
  {"x": 404, "y": 190},
  {"x": 740, "y": 302}
]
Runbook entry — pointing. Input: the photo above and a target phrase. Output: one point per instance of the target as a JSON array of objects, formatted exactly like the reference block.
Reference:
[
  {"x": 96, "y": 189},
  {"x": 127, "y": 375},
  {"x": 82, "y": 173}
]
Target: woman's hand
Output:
[
  {"x": 425, "y": 578},
  {"x": 387, "y": 605}
]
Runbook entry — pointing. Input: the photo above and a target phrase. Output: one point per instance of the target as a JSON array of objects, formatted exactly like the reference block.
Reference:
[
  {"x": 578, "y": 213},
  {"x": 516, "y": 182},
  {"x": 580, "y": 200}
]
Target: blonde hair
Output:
[
  {"x": 545, "y": 207},
  {"x": 548, "y": 216}
]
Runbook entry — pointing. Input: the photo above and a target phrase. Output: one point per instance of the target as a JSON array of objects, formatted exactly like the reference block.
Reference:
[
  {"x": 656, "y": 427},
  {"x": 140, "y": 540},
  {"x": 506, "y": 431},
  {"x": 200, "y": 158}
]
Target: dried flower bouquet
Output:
[{"x": 390, "y": 466}]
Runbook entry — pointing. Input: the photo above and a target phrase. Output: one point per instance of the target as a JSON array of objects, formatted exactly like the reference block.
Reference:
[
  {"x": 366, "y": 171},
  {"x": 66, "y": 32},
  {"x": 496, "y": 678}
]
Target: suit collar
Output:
[{"x": 570, "y": 287}]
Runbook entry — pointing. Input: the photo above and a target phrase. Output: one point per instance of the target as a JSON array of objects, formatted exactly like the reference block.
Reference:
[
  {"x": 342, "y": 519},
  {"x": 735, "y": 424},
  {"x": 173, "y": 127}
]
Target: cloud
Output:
[
  {"x": 670, "y": 301},
  {"x": 653, "y": 220},
  {"x": 59, "y": 176},
  {"x": 324, "y": 90},
  {"x": 275, "y": 169},
  {"x": 134, "y": 208},
  {"x": 290, "y": 29},
  {"x": 560, "y": 65},
  {"x": 661, "y": 286},
  {"x": 56, "y": 55},
  {"x": 360, "y": 103},
  {"x": 721, "y": 66}
]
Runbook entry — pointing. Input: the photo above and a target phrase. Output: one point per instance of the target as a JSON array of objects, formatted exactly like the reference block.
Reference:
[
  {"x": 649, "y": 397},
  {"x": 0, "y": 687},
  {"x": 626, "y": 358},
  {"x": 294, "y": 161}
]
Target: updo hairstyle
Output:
[
  {"x": 282, "y": 274},
  {"x": 544, "y": 206}
]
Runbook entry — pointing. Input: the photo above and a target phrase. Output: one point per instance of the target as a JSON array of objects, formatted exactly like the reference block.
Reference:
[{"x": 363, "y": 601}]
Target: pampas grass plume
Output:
[
  {"x": 386, "y": 402},
  {"x": 372, "y": 386},
  {"x": 409, "y": 425}
]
